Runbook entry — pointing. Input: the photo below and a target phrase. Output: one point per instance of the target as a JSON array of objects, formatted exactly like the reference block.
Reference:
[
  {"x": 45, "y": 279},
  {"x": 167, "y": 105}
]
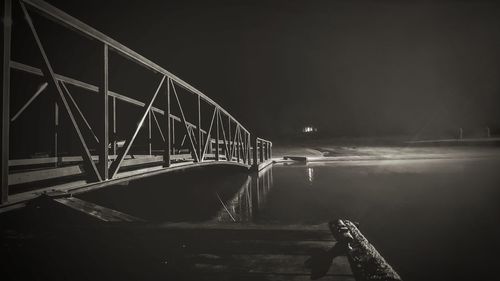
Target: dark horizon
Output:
[{"x": 348, "y": 68}]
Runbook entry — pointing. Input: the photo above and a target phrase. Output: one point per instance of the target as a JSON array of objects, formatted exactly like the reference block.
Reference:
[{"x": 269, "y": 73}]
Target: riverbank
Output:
[{"x": 320, "y": 151}]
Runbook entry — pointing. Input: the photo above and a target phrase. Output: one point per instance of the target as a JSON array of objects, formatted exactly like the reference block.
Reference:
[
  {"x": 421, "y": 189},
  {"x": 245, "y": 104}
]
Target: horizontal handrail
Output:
[{"x": 92, "y": 88}]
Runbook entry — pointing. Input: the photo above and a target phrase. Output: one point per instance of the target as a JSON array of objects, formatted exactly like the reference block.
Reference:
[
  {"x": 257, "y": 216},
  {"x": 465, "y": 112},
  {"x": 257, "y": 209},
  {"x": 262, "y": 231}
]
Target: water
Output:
[
  {"x": 434, "y": 219},
  {"x": 431, "y": 219}
]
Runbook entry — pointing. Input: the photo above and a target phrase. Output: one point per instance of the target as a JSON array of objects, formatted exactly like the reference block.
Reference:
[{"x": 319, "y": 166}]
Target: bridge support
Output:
[
  {"x": 217, "y": 137},
  {"x": 113, "y": 142},
  {"x": 199, "y": 136},
  {"x": 104, "y": 130},
  {"x": 255, "y": 161},
  {"x": 167, "y": 149},
  {"x": 261, "y": 151},
  {"x": 7, "y": 27},
  {"x": 56, "y": 133}
]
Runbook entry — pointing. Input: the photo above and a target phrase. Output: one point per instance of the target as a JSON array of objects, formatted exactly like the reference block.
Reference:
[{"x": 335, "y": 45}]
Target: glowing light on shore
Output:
[{"x": 309, "y": 129}]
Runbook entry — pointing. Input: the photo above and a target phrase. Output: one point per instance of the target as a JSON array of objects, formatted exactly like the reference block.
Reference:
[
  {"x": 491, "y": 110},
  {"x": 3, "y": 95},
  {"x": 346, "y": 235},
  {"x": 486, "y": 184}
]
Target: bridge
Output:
[{"x": 179, "y": 134}]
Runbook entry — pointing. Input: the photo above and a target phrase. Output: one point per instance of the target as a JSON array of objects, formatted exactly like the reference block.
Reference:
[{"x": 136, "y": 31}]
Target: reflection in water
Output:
[
  {"x": 245, "y": 205},
  {"x": 310, "y": 174}
]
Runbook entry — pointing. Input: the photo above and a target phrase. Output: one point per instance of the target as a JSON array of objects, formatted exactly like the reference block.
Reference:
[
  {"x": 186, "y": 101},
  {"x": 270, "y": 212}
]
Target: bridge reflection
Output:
[{"x": 245, "y": 205}]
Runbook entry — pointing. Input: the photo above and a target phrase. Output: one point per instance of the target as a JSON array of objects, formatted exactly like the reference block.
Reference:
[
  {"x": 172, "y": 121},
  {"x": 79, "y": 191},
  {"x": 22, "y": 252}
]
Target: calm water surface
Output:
[{"x": 431, "y": 219}]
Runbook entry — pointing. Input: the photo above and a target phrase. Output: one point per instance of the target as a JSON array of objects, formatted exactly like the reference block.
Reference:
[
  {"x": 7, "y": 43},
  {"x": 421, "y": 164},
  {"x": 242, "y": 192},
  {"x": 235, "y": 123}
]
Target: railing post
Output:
[
  {"x": 229, "y": 139},
  {"x": 167, "y": 149},
  {"x": 149, "y": 134},
  {"x": 104, "y": 128},
  {"x": 172, "y": 131},
  {"x": 249, "y": 146},
  {"x": 237, "y": 148},
  {"x": 209, "y": 146},
  {"x": 261, "y": 152},
  {"x": 7, "y": 25},
  {"x": 270, "y": 150},
  {"x": 114, "y": 126},
  {"x": 56, "y": 132},
  {"x": 255, "y": 149},
  {"x": 217, "y": 136},
  {"x": 265, "y": 150},
  {"x": 200, "y": 136},
  {"x": 242, "y": 149}
]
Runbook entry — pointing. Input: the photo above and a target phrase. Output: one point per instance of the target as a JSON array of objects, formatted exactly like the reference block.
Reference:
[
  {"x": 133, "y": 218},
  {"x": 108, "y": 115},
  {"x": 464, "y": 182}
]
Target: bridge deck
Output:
[{"x": 66, "y": 180}]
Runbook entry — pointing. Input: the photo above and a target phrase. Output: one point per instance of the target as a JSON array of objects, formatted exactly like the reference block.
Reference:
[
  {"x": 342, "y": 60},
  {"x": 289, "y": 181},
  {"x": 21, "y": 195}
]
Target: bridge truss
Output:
[{"x": 103, "y": 158}]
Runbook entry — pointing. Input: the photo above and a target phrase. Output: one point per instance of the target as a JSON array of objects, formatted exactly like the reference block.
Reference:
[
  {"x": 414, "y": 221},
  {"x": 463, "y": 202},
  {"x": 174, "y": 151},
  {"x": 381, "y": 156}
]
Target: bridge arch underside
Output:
[{"x": 75, "y": 184}]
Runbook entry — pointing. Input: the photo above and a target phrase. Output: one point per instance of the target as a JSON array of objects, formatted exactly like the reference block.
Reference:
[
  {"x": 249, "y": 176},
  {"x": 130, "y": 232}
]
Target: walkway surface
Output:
[{"x": 55, "y": 242}]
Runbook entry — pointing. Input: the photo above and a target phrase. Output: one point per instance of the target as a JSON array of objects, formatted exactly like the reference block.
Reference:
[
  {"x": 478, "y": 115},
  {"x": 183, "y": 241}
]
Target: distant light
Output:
[{"x": 309, "y": 129}]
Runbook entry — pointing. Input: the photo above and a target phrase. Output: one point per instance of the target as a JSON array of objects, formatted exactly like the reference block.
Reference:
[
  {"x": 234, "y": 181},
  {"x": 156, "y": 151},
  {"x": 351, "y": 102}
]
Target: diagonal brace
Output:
[
  {"x": 115, "y": 166},
  {"x": 49, "y": 73},
  {"x": 183, "y": 118},
  {"x": 207, "y": 142}
]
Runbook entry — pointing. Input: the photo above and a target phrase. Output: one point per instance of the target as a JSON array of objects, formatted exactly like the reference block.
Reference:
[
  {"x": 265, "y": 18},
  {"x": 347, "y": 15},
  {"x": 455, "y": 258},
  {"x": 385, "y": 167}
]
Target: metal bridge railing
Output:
[
  {"x": 262, "y": 150},
  {"x": 224, "y": 140}
]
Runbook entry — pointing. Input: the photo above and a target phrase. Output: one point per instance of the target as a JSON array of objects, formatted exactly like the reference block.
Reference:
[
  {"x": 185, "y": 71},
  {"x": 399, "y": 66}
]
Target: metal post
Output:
[
  {"x": 265, "y": 150},
  {"x": 149, "y": 133},
  {"x": 255, "y": 148},
  {"x": 270, "y": 150},
  {"x": 168, "y": 145},
  {"x": 114, "y": 126},
  {"x": 172, "y": 132},
  {"x": 237, "y": 148},
  {"x": 261, "y": 152},
  {"x": 198, "y": 129},
  {"x": 209, "y": 145},
  {"x": 242, "y": 148},
  {"x": 104, "y": 132},
  {"x": 249, "y": 146},
  {"x": 230, "y": 139},
  {"x": 7, "y": 25},
  {"x": 217, "y": 136},
  {"x": 56, "y": 131}
]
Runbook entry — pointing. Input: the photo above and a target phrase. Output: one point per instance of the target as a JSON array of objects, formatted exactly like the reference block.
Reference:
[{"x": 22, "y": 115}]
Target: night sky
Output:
[{"x": 351, "y": 68}]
